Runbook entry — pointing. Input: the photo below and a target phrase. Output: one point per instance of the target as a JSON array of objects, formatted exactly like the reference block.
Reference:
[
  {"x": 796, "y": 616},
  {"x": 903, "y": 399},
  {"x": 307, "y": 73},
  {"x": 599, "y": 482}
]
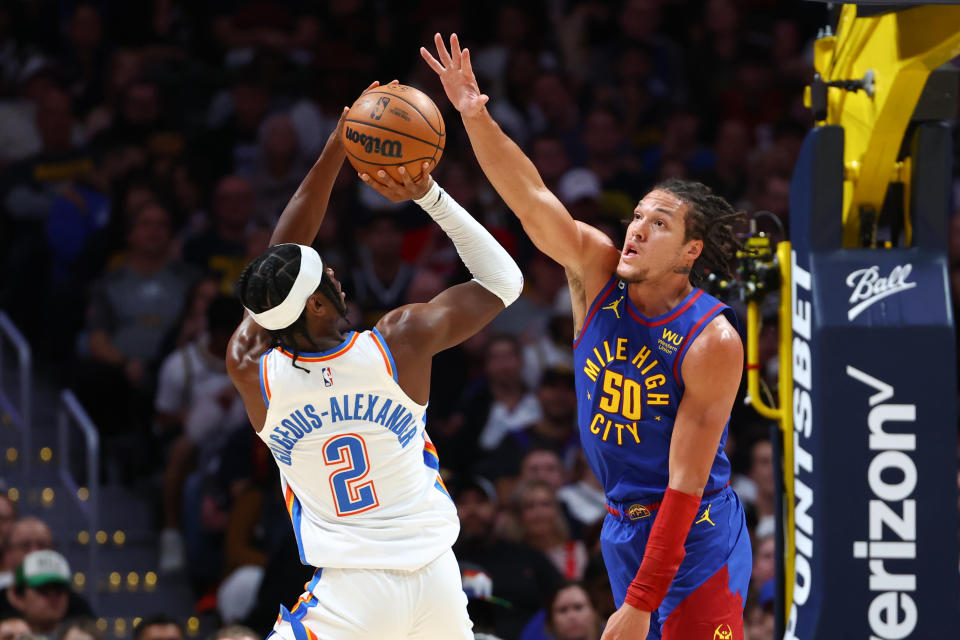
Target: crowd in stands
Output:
[{"x": 148, "y": 148}]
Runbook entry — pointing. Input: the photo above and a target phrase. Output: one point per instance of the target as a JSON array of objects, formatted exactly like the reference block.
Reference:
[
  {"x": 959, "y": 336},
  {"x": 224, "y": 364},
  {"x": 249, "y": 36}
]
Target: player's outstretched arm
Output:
[
  {"x": 551, "y": 227},
  {"x": 416, "y": 332}
]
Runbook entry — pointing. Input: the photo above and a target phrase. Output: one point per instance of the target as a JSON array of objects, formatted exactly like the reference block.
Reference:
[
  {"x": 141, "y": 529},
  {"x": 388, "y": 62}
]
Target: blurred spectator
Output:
[
  {"x": 278, "y": 167},
  {"x": 758, "y": 619},
  {"x": 83, "y": 56},
  {"x": 520, "y": 575},
  {"x": 19, "y": 133},
  {"x": 584, "y": 499},
  {"x": 761, "y": 474},
  {"x": 549, "y": 350},
  {"x": 230, "y": 144},
  {"x": 482, "y": 606},
  {"x": 234, "y": 632},
  {"x": 80, "y": 629},
  {"x": 381, "y": 277},
  {"x": 244, "y": 27},
  {"x": 132, "y": 312},
  {"x": 27, "y": 535},
  {"x": 550, "y": 157},
  {"x": 543, "y": 526},
  {"x": 580, "y": 191},
  {"x": 728, "y": 178},
  {"x": 257, "y": 526},
  {"x": 20, "y": 538},
  {"x": 28, "y": 189},
  {"x": 764, "y": 559},
  {"x": 13, "y": 627},
  {"x": 608, "y": 154},
  {"x": 196, "y": 400},
  {"x": 158, "y": 626},
  {"x": 554, "y": 433},
  {"x": 8, "y": 515},
  {"x": 571, "y": 616},
  {"x": 494, "y": 406},
  {"x": 528, "y": 316},
  {"x": 221, "y": 248},
  {"x": 40, "y": 591}
]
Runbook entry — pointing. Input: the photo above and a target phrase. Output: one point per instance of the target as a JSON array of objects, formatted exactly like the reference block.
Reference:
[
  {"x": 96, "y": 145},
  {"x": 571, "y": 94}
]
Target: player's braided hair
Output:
[
  {"x": 709, "y": 218},
  {"x": 267, "y": 280}
]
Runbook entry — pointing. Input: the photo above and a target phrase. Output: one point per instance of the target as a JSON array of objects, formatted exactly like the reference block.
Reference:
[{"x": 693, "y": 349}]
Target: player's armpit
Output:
[{"x": 711, "y": 374}]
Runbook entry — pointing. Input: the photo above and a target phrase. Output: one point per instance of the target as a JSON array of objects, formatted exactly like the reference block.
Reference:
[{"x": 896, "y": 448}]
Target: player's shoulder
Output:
[{"x": 719, "y": 344}]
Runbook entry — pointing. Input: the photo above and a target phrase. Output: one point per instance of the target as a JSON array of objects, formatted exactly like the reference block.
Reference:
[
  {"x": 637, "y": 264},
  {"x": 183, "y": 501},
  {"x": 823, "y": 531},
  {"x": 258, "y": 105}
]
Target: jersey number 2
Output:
[{"x": 350, "y": 494}]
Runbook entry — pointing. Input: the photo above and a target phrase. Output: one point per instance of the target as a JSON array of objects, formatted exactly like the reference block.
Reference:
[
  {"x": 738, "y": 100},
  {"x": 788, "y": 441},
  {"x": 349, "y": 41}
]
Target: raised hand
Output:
[
  {"x": 456, "y": 74},
  {"x": 409, "y": 189}
]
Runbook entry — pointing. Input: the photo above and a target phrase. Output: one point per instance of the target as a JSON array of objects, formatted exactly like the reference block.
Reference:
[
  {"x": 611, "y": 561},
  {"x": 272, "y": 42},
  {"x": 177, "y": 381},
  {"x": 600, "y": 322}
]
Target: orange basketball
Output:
[{"x": 393, "y": 126}]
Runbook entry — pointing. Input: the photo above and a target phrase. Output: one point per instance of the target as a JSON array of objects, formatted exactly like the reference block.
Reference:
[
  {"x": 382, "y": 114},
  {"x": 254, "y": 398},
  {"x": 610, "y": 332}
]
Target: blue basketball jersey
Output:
[{"x": 629, "y": 384}]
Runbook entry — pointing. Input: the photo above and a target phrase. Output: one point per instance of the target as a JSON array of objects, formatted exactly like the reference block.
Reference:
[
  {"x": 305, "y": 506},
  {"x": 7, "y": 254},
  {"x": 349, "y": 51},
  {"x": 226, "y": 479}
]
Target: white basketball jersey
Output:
[{"x": 358, "y": 471}]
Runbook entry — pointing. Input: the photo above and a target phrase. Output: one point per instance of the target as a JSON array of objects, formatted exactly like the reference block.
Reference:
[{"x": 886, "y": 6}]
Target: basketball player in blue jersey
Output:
[
  {"x": 344, "y": 415},
  {"x": 657, "y": 363}
]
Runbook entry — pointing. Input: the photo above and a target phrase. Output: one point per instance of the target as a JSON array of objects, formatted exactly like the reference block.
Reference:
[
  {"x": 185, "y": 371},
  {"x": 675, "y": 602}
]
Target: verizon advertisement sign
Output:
[{"x": 891, "y": 528}]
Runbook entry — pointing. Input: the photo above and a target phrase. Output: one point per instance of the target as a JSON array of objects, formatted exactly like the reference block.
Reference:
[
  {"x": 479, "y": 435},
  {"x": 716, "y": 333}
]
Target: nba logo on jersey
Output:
[{"x": 327, "y": 376}]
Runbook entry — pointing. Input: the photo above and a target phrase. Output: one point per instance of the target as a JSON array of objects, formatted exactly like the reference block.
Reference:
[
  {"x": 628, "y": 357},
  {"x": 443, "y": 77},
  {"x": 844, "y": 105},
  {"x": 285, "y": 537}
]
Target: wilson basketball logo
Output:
[{"x": 372, "y": 144}]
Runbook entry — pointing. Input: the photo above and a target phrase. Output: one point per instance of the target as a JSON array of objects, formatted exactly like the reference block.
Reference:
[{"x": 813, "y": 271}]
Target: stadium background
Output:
[{"x": 166, "y": 137}]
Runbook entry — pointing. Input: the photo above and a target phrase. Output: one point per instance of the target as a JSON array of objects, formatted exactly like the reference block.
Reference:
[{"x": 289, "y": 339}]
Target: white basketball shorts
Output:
[{"x": 349, "y": 604}]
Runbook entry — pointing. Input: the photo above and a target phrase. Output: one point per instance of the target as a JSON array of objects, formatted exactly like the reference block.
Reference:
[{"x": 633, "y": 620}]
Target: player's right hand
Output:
[
  {"x": 456, "y": 74},
  {"x": 627, "y": 623},
  {"x": 409, "y": 189}
]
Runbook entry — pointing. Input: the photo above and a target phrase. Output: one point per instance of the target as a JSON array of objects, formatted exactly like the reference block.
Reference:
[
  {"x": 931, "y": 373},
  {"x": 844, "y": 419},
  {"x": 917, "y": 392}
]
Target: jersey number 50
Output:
[{"x": 350, "y": 494}]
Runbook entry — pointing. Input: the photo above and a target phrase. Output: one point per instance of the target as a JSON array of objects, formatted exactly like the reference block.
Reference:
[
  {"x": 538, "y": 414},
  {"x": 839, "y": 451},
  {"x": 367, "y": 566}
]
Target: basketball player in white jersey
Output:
[{"x": 344, "y": 415}]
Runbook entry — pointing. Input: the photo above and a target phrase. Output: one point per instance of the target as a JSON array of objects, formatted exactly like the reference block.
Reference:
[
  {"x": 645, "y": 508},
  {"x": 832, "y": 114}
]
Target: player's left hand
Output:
[
  {"x": 628, "y": 623},
  {"x": 384, "y": 184}
]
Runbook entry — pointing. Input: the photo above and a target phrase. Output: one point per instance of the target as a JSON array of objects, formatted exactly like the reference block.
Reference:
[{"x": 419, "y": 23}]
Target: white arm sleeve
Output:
[{"x": 488, "y": 262}]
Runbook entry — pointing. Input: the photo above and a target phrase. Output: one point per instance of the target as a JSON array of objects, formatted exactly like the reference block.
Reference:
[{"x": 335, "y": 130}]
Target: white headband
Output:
[{"x": 286, "y": 313}]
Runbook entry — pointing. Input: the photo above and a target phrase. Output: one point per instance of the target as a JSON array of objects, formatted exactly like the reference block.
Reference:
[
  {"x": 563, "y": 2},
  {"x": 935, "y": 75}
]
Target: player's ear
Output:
[
  {"x": 693, "y": 249},
  {"x": 318, "y": 305}
]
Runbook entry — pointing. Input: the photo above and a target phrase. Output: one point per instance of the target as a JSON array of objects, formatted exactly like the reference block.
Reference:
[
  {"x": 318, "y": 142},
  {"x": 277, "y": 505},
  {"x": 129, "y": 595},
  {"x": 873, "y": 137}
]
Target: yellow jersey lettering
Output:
[
  {"x": 591, "y": 369},
  {"x": 649, "y": 366},
  {"x": 641, "y": 356},
  {"x": 658, "y": 398},
  {"x": 612, "y": 383},
  {"x": 655, "y": 381},
  {"x": 606, "y": 348},
  {"x": 632, "y": 399},
  {"x": 632, "y": 428},
  {"x": 606, "y": 431},
  {"x": 594, "y": 429},
  {"x": 621, "y": 349}
]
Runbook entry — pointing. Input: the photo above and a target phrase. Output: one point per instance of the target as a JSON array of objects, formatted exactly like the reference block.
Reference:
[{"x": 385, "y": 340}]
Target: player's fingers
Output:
[
  {"x": 465, "y": 65},
  {"x": 455, "y": 50},
  {"x": 373, "y": 85},
  {"x": 442, "y": 50},
  {"x": 375, "y": 183},
  {"x": 393, "y": 83},
  {"x": 430, "y": 60},
  {"x": 425, "y": 170},
  {"x": 405, "y": 176}
]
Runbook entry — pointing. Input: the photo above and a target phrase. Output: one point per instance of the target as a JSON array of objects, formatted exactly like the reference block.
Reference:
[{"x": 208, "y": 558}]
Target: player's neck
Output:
[
  {"x": 323, "y": 339},
  {"x": 656, "y": 298}
]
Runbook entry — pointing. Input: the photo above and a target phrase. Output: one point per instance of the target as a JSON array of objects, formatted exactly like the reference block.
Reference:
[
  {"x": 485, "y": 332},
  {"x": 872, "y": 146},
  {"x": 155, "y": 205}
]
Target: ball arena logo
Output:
[
  {"x": 893, "y": 612},
  {"x": 869, "y": 287},
  {"x": 372, "y": 144}
]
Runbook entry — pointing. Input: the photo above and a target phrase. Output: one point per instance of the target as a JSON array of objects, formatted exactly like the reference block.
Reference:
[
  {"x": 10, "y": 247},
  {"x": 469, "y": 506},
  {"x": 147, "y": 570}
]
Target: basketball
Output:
[{"x": 393, "y": 126}]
